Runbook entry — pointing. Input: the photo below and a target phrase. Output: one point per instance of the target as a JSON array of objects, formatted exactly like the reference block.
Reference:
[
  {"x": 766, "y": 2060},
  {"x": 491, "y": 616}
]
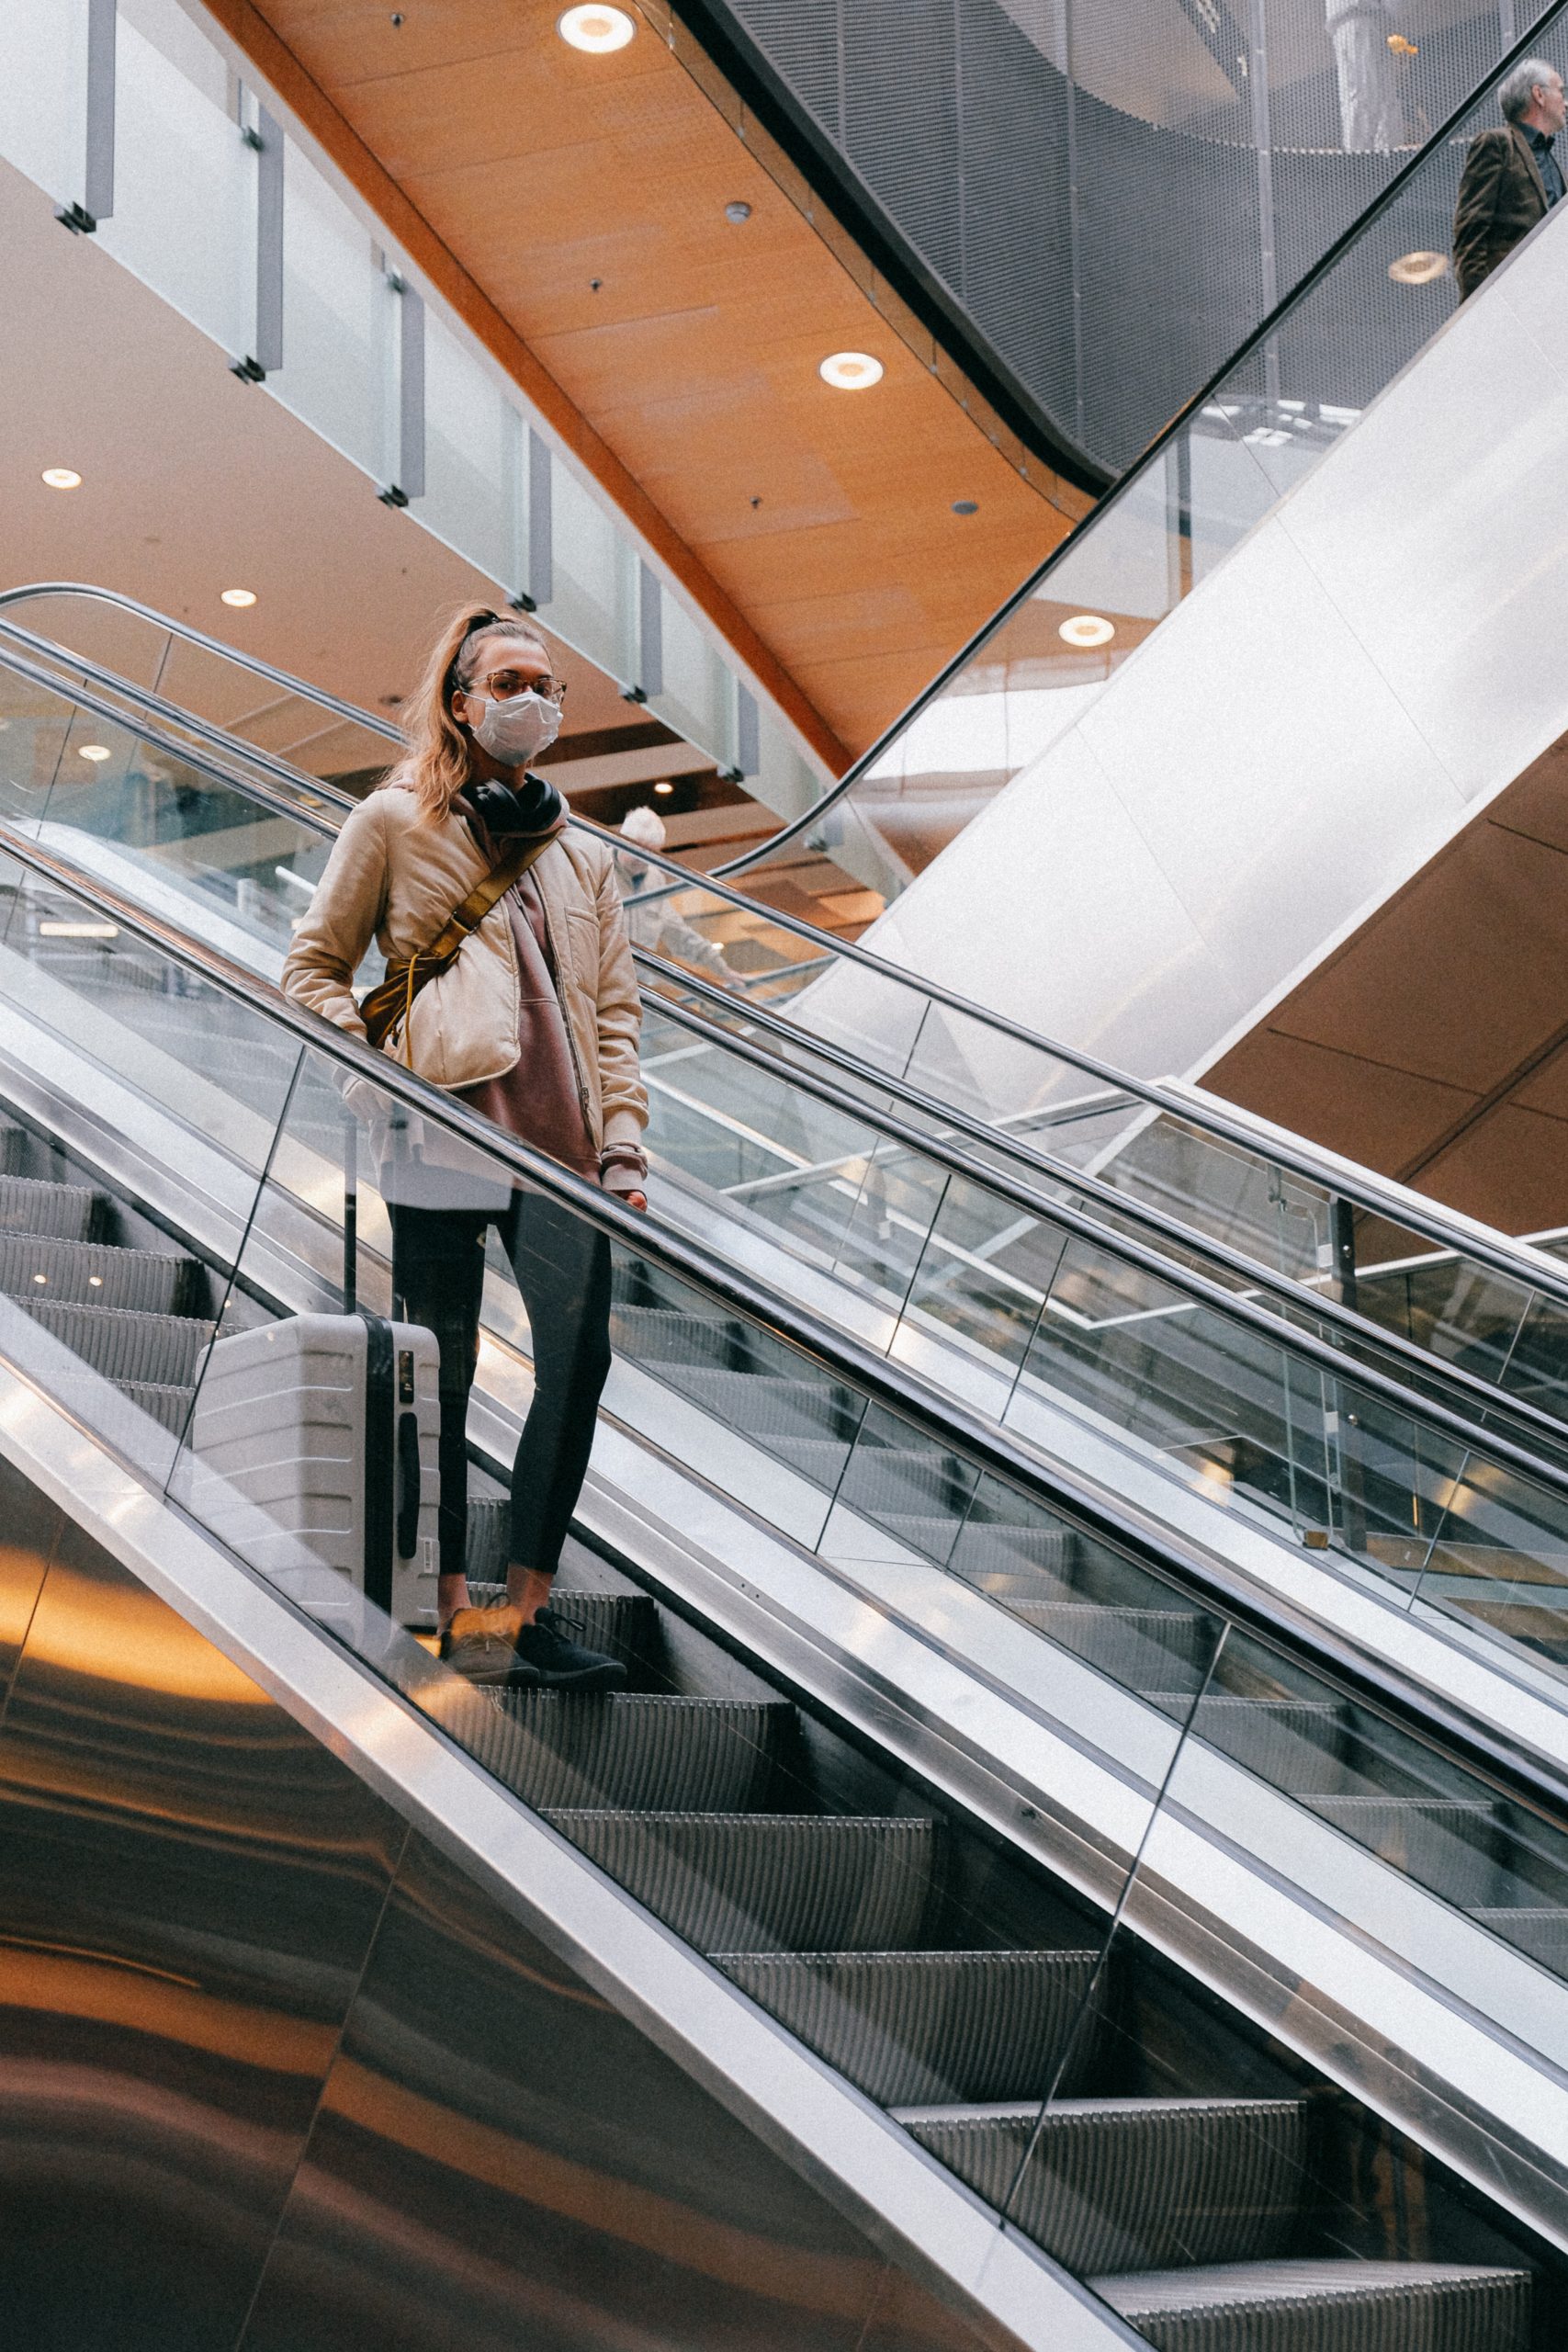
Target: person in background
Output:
[
  {"x": 657, "y": 927},
  {"x": 1511, "y": 177},
  {"x": 533, "y": 1020}
]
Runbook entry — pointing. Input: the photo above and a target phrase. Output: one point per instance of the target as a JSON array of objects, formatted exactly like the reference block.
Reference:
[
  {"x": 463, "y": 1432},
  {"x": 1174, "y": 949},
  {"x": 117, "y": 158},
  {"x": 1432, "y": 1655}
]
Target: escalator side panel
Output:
[{"x": 245, "y": 2010}]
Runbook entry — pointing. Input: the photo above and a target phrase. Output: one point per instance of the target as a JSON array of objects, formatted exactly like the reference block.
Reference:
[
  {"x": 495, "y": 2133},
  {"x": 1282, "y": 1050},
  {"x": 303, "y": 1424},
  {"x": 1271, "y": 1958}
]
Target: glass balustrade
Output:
[{"x": 1207, "y": 1790}]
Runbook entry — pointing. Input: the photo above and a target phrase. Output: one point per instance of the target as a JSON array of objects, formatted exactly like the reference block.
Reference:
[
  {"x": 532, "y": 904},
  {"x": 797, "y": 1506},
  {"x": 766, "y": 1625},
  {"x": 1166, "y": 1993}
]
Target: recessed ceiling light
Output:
[
  {"x": 966, "y": 506},
  {"x": 596, "y": 29},
  {"x": 241, "y": 596},
  {"x": 93, "y": 751},
  {"x": 1086, "y": 629},
  {"x": 738, "y": 211},
  {"x": 61, "y": 478},
  {"x": 664, "y": 787},
  {"x": 1419, "y": 269},
  {"x": 850, "y": 371}
]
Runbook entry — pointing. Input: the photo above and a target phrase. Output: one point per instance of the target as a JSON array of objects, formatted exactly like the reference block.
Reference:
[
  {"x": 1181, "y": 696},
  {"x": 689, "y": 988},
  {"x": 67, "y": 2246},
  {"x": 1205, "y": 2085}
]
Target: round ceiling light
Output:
[
  {"x": 850, "y": 371},
  {"x": 239, "y": 596},
  {"x": 597, "y": 30},
  {"x": 1419, "y": 269},
  {"x": 63, "y": 478},
  {"x": 662, "y": 789},
  {"x": 1087, "y": 629},
  {"x": 93, "y": 751}
]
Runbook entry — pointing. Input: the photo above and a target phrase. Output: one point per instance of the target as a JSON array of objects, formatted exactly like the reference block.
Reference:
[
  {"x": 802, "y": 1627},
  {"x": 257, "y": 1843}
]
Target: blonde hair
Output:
[{"x": 437, "y": 765}]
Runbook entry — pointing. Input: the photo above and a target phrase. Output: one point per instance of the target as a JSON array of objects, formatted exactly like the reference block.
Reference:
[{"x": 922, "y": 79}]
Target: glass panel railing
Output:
[
  {"x": 1018, "y": 1304},
  {"x": 1018, "y": 1299},
  {"x": 1298, "y": 386},
  {"x": 1205, "y": 1782}
]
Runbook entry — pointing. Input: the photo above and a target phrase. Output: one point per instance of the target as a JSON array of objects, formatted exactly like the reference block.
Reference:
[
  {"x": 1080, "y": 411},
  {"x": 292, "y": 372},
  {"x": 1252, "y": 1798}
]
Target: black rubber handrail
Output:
[
  {"x": 1436, "y": 1719},
  {"x": 1482, "y": 1437},
  {"x": 1261, "y": 334},
  {"x": 1411, "y": 1211}
]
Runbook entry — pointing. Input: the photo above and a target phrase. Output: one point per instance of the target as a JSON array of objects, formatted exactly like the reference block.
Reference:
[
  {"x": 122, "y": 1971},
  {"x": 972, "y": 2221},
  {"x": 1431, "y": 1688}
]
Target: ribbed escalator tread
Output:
[
  {"x": 1307, "y": 2306},
  {"x": 33, "y": 1205},
  {"x": 1129, "y": 1644},
  {"x": 124, "y": 1346},
  {"x": 1134, "y": 2184},
  {"x": 623, "y": 1625},
  {"x": 577, "y": 1750},
  {"x": 758, "y": 1882},
  {"x": 912, "y": 2027},
  {"x": 91, "y": 1273},
  {"x": 1443, "y": 1842},
  {"x": 772, "y": 1405},
  {"x": 1541, "y": 1930}
]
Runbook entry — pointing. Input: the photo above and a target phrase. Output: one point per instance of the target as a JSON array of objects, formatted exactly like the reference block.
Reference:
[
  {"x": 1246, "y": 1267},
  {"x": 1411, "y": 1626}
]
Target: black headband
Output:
[{"x": 480, "y": 622}]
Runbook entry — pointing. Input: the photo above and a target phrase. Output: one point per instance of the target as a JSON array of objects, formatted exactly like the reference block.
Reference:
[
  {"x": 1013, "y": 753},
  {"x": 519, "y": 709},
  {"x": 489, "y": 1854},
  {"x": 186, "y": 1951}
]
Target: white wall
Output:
[{"x": 1384, "y": 654}]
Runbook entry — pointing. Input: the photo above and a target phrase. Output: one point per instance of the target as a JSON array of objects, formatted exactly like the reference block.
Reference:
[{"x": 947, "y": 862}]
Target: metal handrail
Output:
[
  {"x": 1435, "y": 1718},
  {"x": 1260, "y": 335},
  {"x": 1359, "y": 1330},
  {"x": 1513, "y": 1260}
]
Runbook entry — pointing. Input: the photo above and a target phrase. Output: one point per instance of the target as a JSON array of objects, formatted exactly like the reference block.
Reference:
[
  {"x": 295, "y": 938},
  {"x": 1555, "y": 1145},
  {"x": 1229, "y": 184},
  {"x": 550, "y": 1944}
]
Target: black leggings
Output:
[{"x": 562, "y": 1267}]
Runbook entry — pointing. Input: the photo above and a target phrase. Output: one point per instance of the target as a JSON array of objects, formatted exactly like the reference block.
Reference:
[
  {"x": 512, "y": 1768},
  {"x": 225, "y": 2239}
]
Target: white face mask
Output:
[{"x": 516, "y": 731}]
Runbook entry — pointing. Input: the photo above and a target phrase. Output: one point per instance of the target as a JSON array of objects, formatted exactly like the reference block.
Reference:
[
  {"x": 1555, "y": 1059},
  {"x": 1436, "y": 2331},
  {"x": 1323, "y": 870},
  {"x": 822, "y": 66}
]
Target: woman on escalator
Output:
[{"x": 511, "y": 983}]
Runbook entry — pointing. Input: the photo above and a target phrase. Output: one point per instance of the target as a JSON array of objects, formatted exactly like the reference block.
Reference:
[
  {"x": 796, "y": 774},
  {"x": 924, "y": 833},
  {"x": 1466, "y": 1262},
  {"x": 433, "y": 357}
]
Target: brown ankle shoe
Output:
[{"x": 482, "y": 1645}]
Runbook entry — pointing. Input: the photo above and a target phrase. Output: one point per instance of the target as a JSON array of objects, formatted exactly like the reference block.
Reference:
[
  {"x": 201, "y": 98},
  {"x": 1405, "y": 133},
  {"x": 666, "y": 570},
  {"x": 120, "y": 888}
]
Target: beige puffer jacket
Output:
[{"x": 396, "y": 880}]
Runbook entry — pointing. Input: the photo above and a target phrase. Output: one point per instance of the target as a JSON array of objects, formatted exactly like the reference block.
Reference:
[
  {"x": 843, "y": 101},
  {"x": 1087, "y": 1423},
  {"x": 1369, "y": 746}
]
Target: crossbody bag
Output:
[{"x": 391, "y": 1000}]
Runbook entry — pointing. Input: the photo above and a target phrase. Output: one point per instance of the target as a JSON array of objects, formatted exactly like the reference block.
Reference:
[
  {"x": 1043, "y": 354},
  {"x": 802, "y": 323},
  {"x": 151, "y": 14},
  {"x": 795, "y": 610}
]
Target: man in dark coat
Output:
[{"x": 1511, "y": 176}]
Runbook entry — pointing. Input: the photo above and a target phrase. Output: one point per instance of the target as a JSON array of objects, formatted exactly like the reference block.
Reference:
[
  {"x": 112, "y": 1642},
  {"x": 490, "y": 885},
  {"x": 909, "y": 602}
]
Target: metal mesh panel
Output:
[
  {"x": 1111, "y": 240},
  {"x": 901, "y": 95}
]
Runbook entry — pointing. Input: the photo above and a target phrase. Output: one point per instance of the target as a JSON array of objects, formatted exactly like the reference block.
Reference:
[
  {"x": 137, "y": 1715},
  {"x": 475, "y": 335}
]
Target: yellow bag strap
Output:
[{"x": 391, "y": 1000}]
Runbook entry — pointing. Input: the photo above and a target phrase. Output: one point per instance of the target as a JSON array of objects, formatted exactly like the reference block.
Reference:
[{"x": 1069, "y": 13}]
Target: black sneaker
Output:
[
  {"x": 482, "y": 1645},
  {"x": 559, "y": 1663}
]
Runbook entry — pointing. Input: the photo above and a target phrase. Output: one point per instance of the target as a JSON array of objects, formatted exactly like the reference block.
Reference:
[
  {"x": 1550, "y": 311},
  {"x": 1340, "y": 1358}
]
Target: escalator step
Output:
[
  {"x": 921, "y": 2026},
  {"x": 1132, "y": 1645},
  {"x": 773, "y": 1405},
  {"x": 561, "y": 1749},
  {"x": 29, "y": 1205},
  {"x": 623, "y": 1624},
  {"x": 1305, "y": 2306},
  {"x": 159, "y": 1349},
  {"x": 1135, "y": 2184},
  {"x": 1451, "y": 1845},
  {"x": 168, "y": 1406},
  {"x": 1539, "y": 1929},
  {"x": 995, "y": 1544},
  {"x": 758, "y": 1882},
  {"x": 887, "y": 1478},
  {"x": 91, "y": 1273},
  {"x": 663, "y": 1336},
  {"x": 1288, "y": 1742}
]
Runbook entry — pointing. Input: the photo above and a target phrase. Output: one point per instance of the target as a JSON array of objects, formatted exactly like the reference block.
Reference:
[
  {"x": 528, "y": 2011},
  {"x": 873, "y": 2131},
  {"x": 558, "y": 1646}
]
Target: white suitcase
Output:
[{"x": 315, "y": 1456}]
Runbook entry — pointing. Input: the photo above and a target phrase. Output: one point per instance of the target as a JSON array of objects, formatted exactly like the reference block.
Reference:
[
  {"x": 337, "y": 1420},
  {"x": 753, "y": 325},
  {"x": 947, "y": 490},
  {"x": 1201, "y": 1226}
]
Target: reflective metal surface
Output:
[
  {"x": 500, "y": 2159},
  {"x": 275, "y": 2073}
]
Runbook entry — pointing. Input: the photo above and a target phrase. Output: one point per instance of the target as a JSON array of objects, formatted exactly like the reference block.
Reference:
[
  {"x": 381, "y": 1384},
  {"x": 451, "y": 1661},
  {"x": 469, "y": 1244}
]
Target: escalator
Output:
[
  {"x": 981, "y": 1920},
  {"x": 1143, "y": 1334}
]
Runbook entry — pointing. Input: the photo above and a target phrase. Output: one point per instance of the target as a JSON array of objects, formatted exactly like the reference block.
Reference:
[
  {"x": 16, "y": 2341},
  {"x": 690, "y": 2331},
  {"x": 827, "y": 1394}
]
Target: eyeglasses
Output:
[{"x": 504, "y": 686}]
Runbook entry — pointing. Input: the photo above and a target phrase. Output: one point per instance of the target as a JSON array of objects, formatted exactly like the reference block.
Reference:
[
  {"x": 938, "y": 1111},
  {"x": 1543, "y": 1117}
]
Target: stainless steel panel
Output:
[
  {"x": 188, "y": 1887},
  {"x": 503, "y": 2161},
  {"x": 30, "y": 1529}
]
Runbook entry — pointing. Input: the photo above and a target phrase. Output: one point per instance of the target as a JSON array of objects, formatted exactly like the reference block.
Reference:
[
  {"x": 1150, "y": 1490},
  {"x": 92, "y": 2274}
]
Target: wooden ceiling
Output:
[{"x": 573, "y": 208}]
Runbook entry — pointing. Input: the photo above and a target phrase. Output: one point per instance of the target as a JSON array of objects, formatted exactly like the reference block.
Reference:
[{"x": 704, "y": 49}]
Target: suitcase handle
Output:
[{"x": 408, "y": 1485}]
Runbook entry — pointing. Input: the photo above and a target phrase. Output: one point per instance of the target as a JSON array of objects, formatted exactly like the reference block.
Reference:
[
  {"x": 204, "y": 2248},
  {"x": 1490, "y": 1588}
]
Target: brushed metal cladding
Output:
[
  {"x": 501, "y": 2161},
  {"x": 189, "y": 1889},
  {"x": 30, "y": 1526}
]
